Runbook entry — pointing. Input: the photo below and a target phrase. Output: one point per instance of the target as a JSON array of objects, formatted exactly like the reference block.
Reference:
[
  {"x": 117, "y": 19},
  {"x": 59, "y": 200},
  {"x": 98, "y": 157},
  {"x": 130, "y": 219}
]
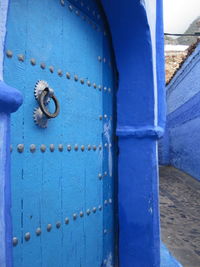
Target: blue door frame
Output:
[
  {"x": 135, "y": 138},
  {"x": 139, "y": 50}
]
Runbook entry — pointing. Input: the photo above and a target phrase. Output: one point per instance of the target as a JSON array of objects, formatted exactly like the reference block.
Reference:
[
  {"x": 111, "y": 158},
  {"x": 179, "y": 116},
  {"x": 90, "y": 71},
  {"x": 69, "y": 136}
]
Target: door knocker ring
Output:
[
  {"x": 43, "y": 94},
  {"x": 43, "y": 106}
]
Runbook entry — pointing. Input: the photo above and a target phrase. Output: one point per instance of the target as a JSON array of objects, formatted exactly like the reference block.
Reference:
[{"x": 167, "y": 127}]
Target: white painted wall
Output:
[{"x": 151, "y": 8}]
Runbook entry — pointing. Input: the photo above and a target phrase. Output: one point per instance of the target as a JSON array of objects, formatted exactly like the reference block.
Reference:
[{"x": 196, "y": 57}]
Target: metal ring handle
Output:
[{"x": 42, "y": 104}]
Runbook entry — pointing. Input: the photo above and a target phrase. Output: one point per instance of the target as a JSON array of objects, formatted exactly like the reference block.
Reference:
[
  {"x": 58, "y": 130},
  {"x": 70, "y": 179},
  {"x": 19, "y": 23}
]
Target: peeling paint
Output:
[
  {"x": 107, "y": 134},
  {"x": 109, "y": 262}
]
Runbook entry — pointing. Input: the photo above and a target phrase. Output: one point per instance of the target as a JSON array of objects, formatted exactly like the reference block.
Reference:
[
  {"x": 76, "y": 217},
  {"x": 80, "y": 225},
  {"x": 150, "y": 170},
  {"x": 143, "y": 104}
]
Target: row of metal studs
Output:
[
  {"x": 104, "y": 60},
  {"x": 20, "y": 147},
  {"x": 101, "y": 117},
  {"x": 101, "y": 176},
  {"x": 88, "y": 8},
  {"x": 38, "y": 231},
  {"x": 105, "y": 116},
  {"x": 21, "y": 58},
  {"x": 100, "y": 59},
  {"x": 87, "y": 19}
]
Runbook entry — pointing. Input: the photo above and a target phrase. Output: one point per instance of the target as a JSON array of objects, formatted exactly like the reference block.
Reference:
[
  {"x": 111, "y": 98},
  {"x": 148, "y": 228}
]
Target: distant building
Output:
[{"x": 174, "y": 55}]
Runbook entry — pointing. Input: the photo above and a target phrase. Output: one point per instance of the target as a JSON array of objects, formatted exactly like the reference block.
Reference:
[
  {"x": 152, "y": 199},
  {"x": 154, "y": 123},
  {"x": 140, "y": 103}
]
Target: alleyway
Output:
[{"x": 180, "y": 215}]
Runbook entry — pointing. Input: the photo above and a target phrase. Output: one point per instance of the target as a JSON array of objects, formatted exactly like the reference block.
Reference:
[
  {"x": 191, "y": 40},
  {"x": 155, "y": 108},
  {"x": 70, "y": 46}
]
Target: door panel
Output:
[{"x": 63, "y": 175}]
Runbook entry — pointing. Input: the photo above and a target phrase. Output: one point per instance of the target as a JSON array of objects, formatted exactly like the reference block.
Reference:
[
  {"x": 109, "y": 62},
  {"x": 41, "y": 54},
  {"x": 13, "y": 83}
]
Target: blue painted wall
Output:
[
  {"x": 10, "y": 100},
  {"x": 179, "y": 147}
]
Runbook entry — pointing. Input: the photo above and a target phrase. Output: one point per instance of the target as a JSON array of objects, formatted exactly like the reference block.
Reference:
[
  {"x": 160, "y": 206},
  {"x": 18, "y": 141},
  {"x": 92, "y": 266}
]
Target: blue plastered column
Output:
[
  {"x": 137, "y": 35},
  {"x": 10, "y": 101}
]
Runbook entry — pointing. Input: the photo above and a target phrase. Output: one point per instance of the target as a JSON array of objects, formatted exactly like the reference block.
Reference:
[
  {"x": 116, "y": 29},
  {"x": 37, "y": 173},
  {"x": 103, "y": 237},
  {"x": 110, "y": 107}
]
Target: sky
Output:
[{"x": 179, "y": 14}]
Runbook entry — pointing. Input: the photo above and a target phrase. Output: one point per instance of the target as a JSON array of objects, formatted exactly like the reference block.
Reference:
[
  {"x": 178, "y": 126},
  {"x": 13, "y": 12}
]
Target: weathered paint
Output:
[{"x": 179, "y": 145}]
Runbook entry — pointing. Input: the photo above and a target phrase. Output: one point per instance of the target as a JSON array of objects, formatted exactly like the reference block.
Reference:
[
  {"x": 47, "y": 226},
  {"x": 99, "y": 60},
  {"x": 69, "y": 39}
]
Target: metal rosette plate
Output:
[
  {"x": 39, "y": 118},
  {"x": 40, "y": 87}
]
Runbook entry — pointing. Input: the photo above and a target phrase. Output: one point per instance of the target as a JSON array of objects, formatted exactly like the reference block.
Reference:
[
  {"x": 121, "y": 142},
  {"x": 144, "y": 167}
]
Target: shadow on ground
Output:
[{"x": 180, "y": 215}]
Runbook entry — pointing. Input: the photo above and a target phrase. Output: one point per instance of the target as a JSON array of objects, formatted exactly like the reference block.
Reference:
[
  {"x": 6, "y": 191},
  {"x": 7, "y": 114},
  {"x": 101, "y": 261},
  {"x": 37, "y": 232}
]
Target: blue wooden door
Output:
[{"x": 63, "y": 173}]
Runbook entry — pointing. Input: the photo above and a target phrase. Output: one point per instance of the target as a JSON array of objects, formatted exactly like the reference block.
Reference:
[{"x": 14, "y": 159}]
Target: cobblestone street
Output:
[{"x": 180, "y": 215}]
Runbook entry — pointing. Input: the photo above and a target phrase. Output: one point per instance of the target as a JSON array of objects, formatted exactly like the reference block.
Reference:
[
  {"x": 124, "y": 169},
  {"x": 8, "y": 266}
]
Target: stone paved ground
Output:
[{"x": 180, "y": 215}]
